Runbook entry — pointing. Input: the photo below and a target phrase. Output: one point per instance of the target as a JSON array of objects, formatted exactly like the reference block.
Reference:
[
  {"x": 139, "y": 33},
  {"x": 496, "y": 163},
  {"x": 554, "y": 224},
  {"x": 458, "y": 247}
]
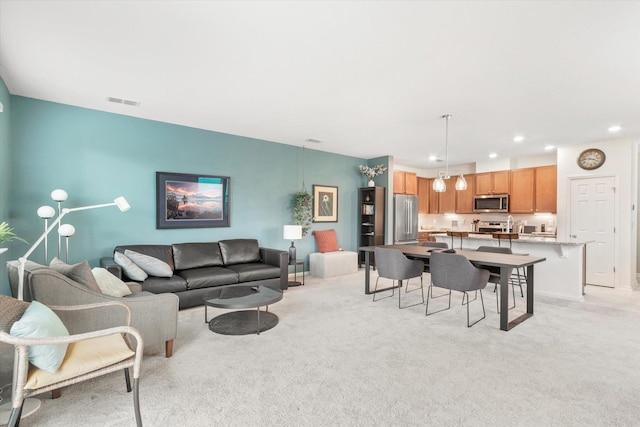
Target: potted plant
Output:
[
  {"x": 372, "y": 172},
  {"x": 303, "y": 211},
  {"x": 7, "y": 235}
]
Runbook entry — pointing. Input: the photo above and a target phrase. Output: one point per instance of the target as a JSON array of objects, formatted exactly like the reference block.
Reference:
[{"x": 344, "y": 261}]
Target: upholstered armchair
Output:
[
  {"x": 154, "y": 315},
  {"x": 393, "y": 264},
  {"x": 96, "y": 340}
]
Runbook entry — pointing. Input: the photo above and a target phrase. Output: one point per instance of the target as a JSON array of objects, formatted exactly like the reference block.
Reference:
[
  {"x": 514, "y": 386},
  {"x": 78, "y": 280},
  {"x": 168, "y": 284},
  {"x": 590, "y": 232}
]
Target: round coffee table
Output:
[{"x": 246, "y": 321}]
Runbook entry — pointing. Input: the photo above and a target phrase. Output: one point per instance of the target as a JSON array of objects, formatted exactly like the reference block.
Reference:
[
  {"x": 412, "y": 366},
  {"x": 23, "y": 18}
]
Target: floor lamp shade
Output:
[{"x": 293, "y": 233}]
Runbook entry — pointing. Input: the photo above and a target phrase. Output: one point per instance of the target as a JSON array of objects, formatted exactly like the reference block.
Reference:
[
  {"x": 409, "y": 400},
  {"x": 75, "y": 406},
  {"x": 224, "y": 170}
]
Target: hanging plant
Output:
[{"x": 303, "y": 211}]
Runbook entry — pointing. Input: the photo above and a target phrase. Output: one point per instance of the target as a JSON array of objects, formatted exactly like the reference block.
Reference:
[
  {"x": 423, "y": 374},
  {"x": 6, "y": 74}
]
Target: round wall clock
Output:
[{"x": 591, "y": 158}]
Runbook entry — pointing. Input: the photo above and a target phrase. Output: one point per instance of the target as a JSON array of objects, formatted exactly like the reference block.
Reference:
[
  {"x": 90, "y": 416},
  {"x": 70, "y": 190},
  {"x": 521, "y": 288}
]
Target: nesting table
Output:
[{"x": 246, "y": 321}]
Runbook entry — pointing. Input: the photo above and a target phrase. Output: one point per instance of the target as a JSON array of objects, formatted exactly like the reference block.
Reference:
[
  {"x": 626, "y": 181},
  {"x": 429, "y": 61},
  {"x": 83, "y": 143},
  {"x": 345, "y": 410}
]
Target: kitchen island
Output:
[{"x": 561, "y": 276}]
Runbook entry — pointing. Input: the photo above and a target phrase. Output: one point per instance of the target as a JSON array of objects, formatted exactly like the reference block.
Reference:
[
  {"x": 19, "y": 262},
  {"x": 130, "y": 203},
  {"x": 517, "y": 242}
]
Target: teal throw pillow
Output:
[{"x": 39, "y": 321}]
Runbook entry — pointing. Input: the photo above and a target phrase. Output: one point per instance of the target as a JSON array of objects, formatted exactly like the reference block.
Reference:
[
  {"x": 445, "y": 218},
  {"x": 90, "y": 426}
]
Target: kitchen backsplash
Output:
[{"x": 465, "y": 221}]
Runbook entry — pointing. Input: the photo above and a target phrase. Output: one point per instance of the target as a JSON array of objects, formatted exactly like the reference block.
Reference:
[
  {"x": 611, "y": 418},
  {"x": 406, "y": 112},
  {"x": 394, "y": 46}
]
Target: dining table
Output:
[{"x": 506, "y": 263}]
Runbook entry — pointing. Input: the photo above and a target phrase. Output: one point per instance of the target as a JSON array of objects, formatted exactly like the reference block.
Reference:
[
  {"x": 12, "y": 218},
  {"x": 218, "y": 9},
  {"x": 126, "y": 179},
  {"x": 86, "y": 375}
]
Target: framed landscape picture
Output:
[
  {"x": 191, "y": 201},
  {"x": 325, "y": 203}
]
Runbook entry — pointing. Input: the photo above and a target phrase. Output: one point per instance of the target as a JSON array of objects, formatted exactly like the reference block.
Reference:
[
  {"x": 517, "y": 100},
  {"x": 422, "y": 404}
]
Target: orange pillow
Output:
[{"x": 326, "y": 240}]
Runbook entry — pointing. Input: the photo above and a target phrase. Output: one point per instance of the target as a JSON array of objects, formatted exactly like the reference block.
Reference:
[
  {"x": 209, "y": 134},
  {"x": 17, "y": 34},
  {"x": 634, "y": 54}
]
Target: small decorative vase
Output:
[{"x": 371, "y": 183}]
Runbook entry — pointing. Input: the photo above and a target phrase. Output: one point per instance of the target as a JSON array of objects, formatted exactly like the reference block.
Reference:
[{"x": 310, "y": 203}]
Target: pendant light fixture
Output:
[{"x": 439, "y": 186}]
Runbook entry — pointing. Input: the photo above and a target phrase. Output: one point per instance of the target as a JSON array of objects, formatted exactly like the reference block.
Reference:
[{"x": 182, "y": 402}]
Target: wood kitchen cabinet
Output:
[
  {"x": 434, "y": 199},
  {"x": 424, "y": 186},
  {"x": 522, "y": 197},
  {"x": 533, "y": 190},
  {"x": 464, "y": 198},
  {"x": 492, "y": 182},
  {"x": 405, "y": 182},
  {"x": 447, "y": 199},
  {"x": 546, "y": 194}
]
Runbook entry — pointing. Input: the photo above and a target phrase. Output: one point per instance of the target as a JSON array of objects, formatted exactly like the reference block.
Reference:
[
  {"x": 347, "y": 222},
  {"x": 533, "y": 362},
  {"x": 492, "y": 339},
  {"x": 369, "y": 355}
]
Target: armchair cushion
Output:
[
  {"x": 80, "y": 272},
  {"x": 82, "y": 357},
  {"x": 150, "y": 265},
  {"x": 130, "y": 268},
  {"x": 110, "y": 284},
  {"x": 39, "y": 321}
]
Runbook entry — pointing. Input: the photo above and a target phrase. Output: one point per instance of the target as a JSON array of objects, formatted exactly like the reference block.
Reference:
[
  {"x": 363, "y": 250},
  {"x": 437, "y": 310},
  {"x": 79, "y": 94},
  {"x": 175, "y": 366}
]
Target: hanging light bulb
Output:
[
  {"x": 461, "y": 183},
  {"x": 439, "y": 185}
]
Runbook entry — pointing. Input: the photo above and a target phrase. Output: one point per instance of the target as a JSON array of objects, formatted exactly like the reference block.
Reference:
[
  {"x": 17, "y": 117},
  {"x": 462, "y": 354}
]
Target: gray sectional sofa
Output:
[{"x": 198, "y": 267}]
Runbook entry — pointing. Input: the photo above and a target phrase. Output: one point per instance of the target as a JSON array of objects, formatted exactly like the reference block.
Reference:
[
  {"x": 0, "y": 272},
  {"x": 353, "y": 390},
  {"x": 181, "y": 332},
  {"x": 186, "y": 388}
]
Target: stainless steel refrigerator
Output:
[{"x": 405, "y": 217}]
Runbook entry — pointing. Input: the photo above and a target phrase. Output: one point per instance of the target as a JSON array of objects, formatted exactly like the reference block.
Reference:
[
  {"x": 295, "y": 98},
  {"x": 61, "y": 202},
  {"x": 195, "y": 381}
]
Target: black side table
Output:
[{"x": 295, "y": 264}]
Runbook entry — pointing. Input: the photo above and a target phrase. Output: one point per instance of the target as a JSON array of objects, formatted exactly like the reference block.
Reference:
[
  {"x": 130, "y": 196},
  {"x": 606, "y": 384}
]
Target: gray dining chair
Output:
[
  {"x": 495, "y": 274},
  {"x": 432, "y": 245},
  {"x": 456, "y": 273},
  {"x": 393, "y": 264}
]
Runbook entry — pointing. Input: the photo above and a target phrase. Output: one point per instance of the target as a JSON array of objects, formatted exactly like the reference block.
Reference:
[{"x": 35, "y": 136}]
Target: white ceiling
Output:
[{"x": 369, "y": 78}]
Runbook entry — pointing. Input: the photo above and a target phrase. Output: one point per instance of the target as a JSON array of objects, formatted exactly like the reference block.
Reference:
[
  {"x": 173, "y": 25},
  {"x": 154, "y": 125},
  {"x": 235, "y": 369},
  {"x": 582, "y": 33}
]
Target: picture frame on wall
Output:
[
  {"x": 325, "y": 203},
  {"x": 191, "y": 201}
]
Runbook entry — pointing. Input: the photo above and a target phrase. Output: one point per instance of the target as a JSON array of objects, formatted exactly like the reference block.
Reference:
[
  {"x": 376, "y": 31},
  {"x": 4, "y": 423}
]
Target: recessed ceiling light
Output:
[
  {"x": 314, "y": 140},
  {"x": 493, "y": 155},
  {"x": 433, "y": 158},
  {"x": 549, "y": 147},
  {"x": 615, "y": 128},
  {"x": 518, "y": 138}
]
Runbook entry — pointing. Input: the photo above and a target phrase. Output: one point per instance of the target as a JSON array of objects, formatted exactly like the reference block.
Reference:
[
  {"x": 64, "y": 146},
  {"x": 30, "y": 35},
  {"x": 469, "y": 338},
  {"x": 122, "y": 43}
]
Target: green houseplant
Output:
[
  {"x": 7, "y": 234},
  {"x": 303, "y": 211}
]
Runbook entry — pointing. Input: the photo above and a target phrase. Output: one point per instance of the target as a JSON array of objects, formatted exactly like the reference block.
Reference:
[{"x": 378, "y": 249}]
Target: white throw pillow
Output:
[
  {"x": 110, "y": 284},
  {"x": 150, "y": 265},
  {"x": 132, "y": 271}
]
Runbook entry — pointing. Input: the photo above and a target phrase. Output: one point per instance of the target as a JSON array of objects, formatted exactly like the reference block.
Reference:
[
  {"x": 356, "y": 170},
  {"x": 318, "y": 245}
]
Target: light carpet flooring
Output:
[{"x": 338, "y": 359}]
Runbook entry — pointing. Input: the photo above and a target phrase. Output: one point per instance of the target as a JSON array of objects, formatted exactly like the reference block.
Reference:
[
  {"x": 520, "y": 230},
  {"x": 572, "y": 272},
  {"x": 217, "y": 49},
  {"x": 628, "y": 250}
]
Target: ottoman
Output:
[{"x": 332, "y": 264}]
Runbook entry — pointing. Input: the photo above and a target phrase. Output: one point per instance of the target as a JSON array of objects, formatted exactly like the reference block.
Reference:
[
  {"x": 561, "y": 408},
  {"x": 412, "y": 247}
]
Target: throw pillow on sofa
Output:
[
  {"x": 150, "y": 265},
  {"x": 132, "y": 271},
  {"x": 80, "y": 272},
  {"x": 110, "y": 284}
]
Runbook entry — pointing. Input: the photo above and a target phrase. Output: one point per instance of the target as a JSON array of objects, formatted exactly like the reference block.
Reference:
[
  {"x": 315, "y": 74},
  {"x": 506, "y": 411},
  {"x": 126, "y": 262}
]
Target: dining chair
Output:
[
  {"x": 456, "y": 273},
  {"x": 432, "y": 245},
  {"x": 394, "y": 265},
  {"x": 79, "y": 343}
]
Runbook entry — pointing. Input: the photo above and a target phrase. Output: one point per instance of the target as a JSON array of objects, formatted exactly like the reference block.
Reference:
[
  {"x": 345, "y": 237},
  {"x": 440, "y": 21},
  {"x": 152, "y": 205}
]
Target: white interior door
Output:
[{"x": 593, "y": 219}]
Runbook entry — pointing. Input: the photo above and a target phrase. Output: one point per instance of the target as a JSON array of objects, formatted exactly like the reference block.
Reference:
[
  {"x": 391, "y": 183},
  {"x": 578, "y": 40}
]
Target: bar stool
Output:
[
  {"x": 520, "y": 277},
  {"x": 460, "y": 234}
]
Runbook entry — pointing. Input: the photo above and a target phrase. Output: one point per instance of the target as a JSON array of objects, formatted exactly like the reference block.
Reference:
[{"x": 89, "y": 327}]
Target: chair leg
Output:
[
  {"x": 127, "y": 379},
  {"x": 136, "y": 401},
  {"x": 393, "y": 290},
  {"x": 400, "y": 293},
  {"x": 16, "y": 414},
  {"x": 483, "y": 312},
  {"x": 430, "y": 293},
  {"x": 168, "y": 348}
]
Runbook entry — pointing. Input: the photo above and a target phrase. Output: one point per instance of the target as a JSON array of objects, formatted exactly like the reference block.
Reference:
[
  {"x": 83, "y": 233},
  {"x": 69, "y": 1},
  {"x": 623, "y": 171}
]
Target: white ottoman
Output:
[{"x": 332, "y": 264}]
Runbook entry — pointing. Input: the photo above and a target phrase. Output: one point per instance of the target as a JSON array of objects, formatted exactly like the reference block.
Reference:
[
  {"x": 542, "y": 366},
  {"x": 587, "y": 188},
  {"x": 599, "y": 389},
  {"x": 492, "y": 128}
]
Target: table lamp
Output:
[{"x": 293, "y": 233}]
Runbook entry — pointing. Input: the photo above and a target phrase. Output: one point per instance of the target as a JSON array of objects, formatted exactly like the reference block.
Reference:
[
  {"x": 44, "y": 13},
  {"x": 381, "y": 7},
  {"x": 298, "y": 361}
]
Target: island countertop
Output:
[{"x": 529, "y": 238}]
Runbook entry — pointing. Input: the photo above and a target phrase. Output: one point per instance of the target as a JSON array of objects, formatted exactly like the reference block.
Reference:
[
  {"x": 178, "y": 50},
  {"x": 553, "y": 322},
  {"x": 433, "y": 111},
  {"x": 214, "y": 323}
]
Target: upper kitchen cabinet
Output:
[
  {"x": 533, "y": 190},
  {"x": 405, "y": 182},
  {"x": 492, "y": 182},
  {"x": 447, "y": 199},
  {"x": 464, "y": 198},
  {"x": 546, "y": 189},
  {"x": 424, "y": 185}
]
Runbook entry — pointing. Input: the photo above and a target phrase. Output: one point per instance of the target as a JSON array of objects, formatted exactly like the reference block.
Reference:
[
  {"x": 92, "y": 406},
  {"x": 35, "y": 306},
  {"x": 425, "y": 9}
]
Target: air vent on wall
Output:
[{"x": 123, "y": 101}]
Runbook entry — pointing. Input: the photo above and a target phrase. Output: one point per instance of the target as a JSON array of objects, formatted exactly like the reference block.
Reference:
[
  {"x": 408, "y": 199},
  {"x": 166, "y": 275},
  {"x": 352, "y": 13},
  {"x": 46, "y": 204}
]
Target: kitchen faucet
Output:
[{"x": 509, "y": 223}]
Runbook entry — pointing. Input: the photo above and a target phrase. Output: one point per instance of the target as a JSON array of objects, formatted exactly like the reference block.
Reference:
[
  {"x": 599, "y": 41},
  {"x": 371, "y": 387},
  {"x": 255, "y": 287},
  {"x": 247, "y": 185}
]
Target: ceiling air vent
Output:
[{"x": 123, "y": 101}]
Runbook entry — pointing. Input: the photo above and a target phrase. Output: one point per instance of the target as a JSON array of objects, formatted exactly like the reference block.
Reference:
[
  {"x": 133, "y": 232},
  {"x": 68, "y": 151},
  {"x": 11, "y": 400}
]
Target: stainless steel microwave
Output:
[{"x": 491, "y": 203}]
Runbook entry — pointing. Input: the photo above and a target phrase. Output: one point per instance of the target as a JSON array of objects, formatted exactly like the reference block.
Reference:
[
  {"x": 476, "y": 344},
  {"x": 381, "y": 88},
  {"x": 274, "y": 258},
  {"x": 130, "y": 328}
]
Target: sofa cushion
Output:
[
  {"x": 159, "y": 285},
  {"x": 80, "y": 272},
  {"x": 110, "y": 284},
  {"x": 150, "y": 265},
  {"x": 208, "y": 277},
  {"x": 255, "y": 271},
  {"x": 162, "y": 252},
  {"x": 131, "y": 270},
  {"x": 196, "y": 255},
  {"x": 239, "y": 251}
]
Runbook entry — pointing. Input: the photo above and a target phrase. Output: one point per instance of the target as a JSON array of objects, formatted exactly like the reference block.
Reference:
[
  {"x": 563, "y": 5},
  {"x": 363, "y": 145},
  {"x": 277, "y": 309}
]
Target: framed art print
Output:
[
  {"x": 191, "y": 201},
  {"x": 325, "y": 203}
]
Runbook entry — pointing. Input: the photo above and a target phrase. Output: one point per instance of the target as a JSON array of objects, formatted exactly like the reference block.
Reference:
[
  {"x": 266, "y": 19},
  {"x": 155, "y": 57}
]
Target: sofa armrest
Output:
[
  {"x": 277, "y": 258},
  {"x": 111, "y": 266},
  {"x": 134, "y": 287}
]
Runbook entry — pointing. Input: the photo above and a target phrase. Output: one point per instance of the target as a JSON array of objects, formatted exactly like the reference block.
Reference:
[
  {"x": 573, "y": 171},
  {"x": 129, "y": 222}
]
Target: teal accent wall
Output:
[
  {"x": 5, "y": 171},
  {"x": 97, "y": 156}
]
